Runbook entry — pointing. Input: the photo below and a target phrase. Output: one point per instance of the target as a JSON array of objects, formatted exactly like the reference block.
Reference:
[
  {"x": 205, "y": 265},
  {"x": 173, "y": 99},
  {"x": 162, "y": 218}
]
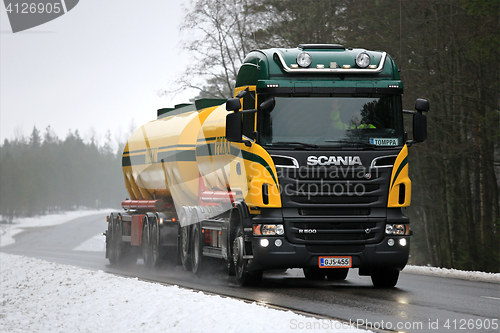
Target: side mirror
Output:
[
  {"x": 234, "y": 126},
  {"x": 422, "y": 105},
  {"x": 268, "y": 104},
  {"x": 233, "y": 104},
  {"x": 419, "y": 127}
]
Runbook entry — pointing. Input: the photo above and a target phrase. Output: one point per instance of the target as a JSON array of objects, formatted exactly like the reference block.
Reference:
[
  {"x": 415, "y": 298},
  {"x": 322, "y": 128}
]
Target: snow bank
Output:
[
  {"x": 9, "y": 230},
  {"x": 453, "y": 273},
  {"x": 48, "y": 297}
]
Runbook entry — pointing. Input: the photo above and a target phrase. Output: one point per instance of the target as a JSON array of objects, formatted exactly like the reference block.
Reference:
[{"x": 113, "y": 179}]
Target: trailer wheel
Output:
[
  {"x": 314, "y": 273},
  {"x": 120, "y": 253},
  {"x": 155, "y": 243},
  {"x": 147, "y": 253},
  {"x": 197, "y": 241},
  {"x": 185, "y": 234},
  {"x": 385, "y": 277},
  {"x": 243, "y": 276},
  {"x": 111, "y": 247},
  {"x": 336, "y": 274}
]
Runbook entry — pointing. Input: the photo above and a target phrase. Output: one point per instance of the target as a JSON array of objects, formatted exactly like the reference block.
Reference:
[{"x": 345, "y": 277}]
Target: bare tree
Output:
[{"x": 220, "y": 36}]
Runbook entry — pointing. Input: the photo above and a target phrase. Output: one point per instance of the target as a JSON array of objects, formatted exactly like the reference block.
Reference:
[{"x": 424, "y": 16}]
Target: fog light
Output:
[
  {"x": 390, "y": 242},
  {"x": 278, "y": 242},
  {"x": 402, "y": 242},
  {"x": 264, "y": 242}
]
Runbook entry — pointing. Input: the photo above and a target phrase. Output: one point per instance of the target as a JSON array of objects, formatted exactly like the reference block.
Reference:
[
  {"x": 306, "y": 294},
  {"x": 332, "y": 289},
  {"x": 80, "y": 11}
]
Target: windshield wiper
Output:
[
  {"x": 353, "y": 142},
  {"x": 294, "y": 143}
]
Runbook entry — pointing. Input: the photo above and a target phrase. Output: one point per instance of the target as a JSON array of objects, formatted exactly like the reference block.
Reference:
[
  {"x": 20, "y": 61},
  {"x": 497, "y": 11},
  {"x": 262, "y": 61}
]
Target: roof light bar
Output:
[{"x": 376, "y": 70}]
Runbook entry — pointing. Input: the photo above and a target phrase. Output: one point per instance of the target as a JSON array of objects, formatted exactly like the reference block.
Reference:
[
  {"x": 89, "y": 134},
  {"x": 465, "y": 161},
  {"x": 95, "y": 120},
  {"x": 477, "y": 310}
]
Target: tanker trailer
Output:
[{"x": 306, "y": 167}]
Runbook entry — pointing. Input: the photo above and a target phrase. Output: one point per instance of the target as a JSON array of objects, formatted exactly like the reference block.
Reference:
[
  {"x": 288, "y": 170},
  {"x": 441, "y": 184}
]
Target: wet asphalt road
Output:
[{"x": 418, "y": 303}]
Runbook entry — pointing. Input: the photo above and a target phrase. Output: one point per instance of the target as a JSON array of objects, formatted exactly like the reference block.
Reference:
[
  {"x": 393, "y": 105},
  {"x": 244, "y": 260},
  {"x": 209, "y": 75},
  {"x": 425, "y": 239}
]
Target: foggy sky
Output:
[{"x": 97, "y": 67}]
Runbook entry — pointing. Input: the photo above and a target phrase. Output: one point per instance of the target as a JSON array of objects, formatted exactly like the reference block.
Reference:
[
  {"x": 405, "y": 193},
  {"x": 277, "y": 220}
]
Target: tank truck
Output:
[{"x": 306, "y": 167}]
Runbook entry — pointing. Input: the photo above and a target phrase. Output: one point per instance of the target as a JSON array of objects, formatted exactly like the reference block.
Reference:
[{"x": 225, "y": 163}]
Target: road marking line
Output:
[{"x": 491, "y": 297}]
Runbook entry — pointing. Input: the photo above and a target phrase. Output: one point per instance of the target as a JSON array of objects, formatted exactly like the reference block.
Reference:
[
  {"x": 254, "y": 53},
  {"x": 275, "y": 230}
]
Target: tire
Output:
[
  {"x": 185, "y": 251},
  {"x": 336, "y": 274},
  {"x": 120, "y": 253},
  {"x": 243, "y": 276},
  {"x": 314, "y": 273},
  {"x": 385, "y": 277},
  {"x": 197, "y": 242},
  {"x": 155, "y": 243},
  {"x": 111, "y": 249},
  {"x": 147, "y": 254}
]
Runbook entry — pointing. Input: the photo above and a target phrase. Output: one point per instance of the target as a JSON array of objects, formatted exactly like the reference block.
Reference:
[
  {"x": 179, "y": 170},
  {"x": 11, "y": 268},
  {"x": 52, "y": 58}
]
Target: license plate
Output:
[{"x": 333, "y": 262}]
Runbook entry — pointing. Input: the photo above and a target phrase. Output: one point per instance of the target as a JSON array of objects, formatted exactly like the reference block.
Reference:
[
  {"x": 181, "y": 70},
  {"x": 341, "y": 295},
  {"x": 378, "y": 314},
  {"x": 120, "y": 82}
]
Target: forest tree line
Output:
[
  {"x": 43, "y": 174},
  {"x": 448, "y": 52}
]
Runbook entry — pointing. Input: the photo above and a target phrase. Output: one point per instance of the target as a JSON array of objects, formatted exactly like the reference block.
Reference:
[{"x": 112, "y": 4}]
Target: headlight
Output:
[
  {"x": 362, "y": 60},
  {"x": 397, "y": 229},
  {"x": 304, "y": 59},
  {"x": 268, "y": 229}
]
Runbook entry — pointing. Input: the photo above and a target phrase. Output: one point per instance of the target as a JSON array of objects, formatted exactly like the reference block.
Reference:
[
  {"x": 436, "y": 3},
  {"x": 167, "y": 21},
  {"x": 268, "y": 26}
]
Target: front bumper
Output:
[{"x": 365, "y": 256}]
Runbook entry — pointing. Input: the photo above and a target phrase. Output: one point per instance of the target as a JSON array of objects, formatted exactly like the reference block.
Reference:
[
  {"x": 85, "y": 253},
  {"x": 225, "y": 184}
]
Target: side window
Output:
[{"x": 249, "y": 118}]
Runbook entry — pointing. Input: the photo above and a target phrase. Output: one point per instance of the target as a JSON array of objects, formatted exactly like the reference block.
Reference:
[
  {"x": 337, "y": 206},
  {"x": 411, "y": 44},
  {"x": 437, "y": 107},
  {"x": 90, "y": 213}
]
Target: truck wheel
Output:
[
  {"x": 147, "y": 253},
  {"x": 243, "y": 276},
  {"x": 155, "y": 243},
  {"x": 197, "y": 241},
  {"x": 314, "y": 273},
  {"x": 185, "y": 252},
  {"x": 111, "y": 247},
  {"x": 337, "y": 274},
  {"x": 120, "y": 252},
  {"x": 385, "y": 278}
]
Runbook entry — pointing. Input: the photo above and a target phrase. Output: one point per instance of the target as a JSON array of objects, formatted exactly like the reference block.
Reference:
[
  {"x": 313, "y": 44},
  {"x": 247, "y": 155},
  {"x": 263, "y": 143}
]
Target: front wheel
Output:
[
  {"x": 385, "y": 278},
  {"x": 243, "y": 276}
]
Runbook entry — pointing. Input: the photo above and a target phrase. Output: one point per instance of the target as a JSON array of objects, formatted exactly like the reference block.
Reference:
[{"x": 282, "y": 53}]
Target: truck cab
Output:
[{"x": 331, "y": 120}]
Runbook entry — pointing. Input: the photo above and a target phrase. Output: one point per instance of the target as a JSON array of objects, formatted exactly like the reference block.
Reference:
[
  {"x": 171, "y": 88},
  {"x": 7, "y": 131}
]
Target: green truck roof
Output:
[{"x": 332, "y": 65}]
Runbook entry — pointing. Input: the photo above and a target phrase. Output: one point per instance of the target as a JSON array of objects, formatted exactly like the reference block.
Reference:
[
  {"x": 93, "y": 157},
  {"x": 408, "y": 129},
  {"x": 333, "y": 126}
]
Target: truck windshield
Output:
[{"x": 333, "y": 121}]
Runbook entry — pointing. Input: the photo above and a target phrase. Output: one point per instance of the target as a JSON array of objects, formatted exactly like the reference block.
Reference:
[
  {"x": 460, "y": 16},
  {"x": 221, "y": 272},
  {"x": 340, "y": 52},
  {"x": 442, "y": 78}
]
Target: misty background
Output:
[{"x": 104, "y": 68}]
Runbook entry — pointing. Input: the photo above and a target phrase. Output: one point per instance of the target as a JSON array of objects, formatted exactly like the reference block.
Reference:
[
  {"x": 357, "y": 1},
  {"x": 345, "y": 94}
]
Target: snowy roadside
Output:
[
  {"x": 47, "y": 297},
  {"x": 9, "y": 230},
  {"x": 453, "y": 273}
]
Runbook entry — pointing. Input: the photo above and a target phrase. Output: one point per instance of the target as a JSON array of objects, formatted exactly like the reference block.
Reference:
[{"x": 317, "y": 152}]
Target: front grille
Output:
[
  {"x": 310, "y": 188},
  {"x": 334, "y": 232},
  {"x": 323, "y": 173},
  {"x": 334, "y": 211}
]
